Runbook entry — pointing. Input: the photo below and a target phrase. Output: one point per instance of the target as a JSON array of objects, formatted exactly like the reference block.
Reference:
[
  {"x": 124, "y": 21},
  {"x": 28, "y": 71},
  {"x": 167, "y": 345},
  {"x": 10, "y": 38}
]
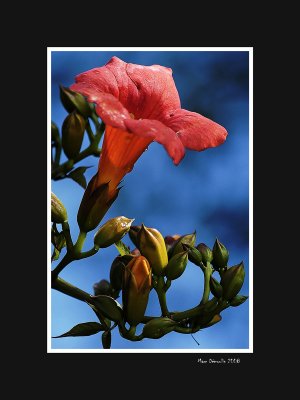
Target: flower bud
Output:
[
  {"x": 58, "y": 211},
  {"x": 176, "y": 265},
  {"x": 170, "y": 240},
  {"x": 102, "y": 287},
  {"x": 117, "y": 270},
  {"x": 136, "y": 289},
  {"x": 215, "y": 287},
  {"x": 206, "y": 253},
  {"x": 74, "y": 101},
  {"x": 158, "y": 327},
  {"x": 94, "y": 205},
  {"x": 152, "y": 245},
  {"x": 112, "y": 231},
  {"x": 220, "y": 255},
  {"x": 178, "y": 245},
  {"x": 232, "y": 281},
  {"x": 194, "y": 254},
  {"x": 133, "y": 234},
  {"x": 238, "y": 300},
  {"x": 72, "y": 134}
]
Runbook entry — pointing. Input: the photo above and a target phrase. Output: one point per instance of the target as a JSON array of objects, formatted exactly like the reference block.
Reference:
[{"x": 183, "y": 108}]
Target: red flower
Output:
[
  {"x": 140, "y": 105},
  {"x": 144, "y": 104}
]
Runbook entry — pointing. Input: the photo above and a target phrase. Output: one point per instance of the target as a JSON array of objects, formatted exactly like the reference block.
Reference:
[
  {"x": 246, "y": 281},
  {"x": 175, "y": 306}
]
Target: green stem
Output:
[
  {"x": 70, "y": 290},
  {"x": 64, "y": 262},
  {"x": 90, "y": 132},
  {"x": 79, "y": 244},
  {"x": 129, "y": 334},
  {"x": 66, "y": 231},
  {"x": 162, "y": 296},
  {"x": 207, "y": 275}
]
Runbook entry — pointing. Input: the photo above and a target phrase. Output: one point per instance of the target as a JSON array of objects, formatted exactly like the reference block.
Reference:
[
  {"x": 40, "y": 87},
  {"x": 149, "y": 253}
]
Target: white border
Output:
[{"x": 250, "y": 50}]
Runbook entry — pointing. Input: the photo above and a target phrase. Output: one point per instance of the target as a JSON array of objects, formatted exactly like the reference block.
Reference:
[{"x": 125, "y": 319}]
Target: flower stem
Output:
[
  {"x": 70, "y": 290},
  {"x": 160, "y": 290},
  {"x": 207, "y": 275},
  {"x": 66, "y": 231}
]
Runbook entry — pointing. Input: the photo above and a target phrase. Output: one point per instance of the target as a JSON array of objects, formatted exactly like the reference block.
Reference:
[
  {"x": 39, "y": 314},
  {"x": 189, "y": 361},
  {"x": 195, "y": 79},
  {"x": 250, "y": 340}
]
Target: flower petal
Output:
[
  {"x": 146, "y": 92},
  {"x": 195, "y": 131},
  {"x": 159, "y": 133}
]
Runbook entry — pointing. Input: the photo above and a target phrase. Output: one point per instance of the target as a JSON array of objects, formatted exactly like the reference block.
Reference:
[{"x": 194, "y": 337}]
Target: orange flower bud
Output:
[
  {"x": 152, "y": 245},
  {"x": 136, "y": 289}
]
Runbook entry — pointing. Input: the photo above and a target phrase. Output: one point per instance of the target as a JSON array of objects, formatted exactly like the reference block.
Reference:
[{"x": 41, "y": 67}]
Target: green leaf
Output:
[
  {"x": 107, "y": 306},
  {"x": 122, "y": 248},
  {"x": 84, "y": 329},
  {"x": 78, "y": 176},
  {"x": 106, "y": 340}
]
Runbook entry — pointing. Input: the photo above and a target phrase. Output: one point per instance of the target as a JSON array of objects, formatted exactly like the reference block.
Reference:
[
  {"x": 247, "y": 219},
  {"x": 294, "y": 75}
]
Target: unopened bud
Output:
[
  {"x": 152, "y": 245},
  {"x": 178, "y": 245},
  {"x": 215, "y": 287},
  {"x": 74, "y": 101},
  {"x": 58, "y": 211},
  {"x": 194, "y": 254},
  {"x": 170, "y": 240},
  {"x": 232, "y": 281},
  {"x": 133, "y": 234},
  {"x": 136, "y": 289},
  {"x": 238, "y": 300},
  {"x": 176, "y": 265},
  {"x": 220, "y": 255},
  {"x": 117, "y": 270},
  {"x": 158, "y": 327},
  {"x": 112, "y": 231},
  {"x": 206, "y": 253},
  {"x": 102, "y": 287},
  {"x": 72, "y": 134}
]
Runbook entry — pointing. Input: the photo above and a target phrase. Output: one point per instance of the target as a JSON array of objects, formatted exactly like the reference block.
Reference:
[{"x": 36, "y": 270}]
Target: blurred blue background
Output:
[{"x": 208, "y": 192}]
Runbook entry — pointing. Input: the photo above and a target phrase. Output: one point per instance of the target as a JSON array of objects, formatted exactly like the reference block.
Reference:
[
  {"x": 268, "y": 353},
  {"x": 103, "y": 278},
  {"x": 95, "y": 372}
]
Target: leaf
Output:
[
  {"x": 122, "y": 248},
  {"x": 108, "y": 306},
  {"x": 106, "y": 340},
  {"x": 84, "y": 329},
  {"x": 238, "y": 300},
  {"x": 78, "y": 176}
]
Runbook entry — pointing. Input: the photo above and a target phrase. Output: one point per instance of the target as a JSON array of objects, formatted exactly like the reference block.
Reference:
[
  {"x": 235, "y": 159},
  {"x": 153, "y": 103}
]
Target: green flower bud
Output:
[
  {"x": 136, "y": 288},
  {"x": 220, "y": 255},
  {"x": 133, "y": 234},
  {"x": 215, "y": 287},
  {"x": 158, "y": 327},
  {"x": 58, "y": 211},
  {"x": 73, "y": 101},
  {"x": 176, "y": 265},
  {"x": 54, "y": 133},
  {"x": 178, "y": 245},
  {"x": 194, "y": 254},
  {"x": 152, "y": 245},
  {"x": 102, "y": 287},
  {"x": 206, "y": 253},
  {"x": 238, "y": 300},
  {"x": 72, "y": 134},
  {"x": 112, "y": 231},
  {"x": 117, "y": 270},
  {"x": 232, "y": 281}
]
